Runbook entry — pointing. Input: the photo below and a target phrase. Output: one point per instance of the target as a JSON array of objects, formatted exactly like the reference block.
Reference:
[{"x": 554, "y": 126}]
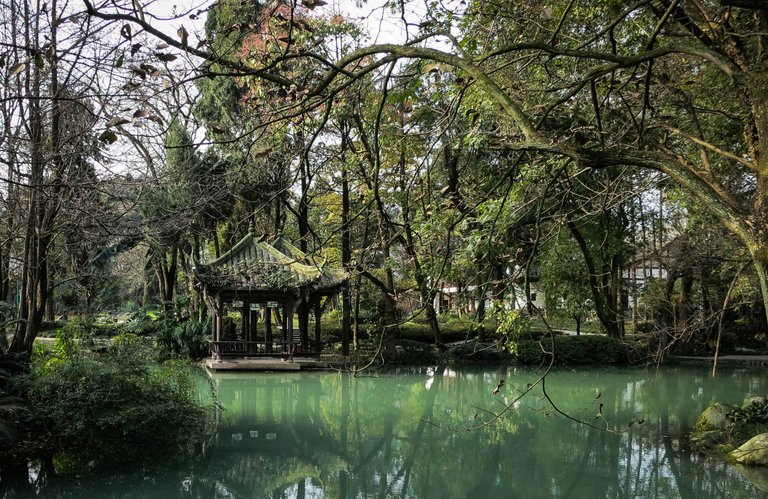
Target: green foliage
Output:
[
  {"x": 420, "y": 332},
  {"x": 413, "y": 352},
  {"x": 512, "y": 324},
  {"x": 746, "y": 421},
  {"x": 756, "y": 412},
  {"x": 571, "y": 350},
  {"x": 185, "y": 339},
  {"x": 72, "y": 337},
  {"x": 93, "y": 411},
  {"x": 565, "y": 278},
  {"x": 142, "y": 323},
  {"x": 11, "y": 365}
]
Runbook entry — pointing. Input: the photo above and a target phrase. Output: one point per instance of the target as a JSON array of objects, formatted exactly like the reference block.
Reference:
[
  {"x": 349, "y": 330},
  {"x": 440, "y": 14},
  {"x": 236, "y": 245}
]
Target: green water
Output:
[{"x": 332, "y": 435}]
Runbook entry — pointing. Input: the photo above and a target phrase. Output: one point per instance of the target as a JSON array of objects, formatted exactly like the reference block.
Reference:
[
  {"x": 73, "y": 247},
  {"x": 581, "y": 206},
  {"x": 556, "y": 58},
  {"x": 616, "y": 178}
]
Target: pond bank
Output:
[
  {"x": 278, "y": 363},
  {"x": 731, "y": 360}
]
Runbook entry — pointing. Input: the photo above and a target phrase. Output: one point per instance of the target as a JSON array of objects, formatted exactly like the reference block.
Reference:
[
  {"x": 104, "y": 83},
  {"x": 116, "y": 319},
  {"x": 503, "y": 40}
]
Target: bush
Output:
[
  {"x": 90, "y": 411},
  {"x": 11, "y": 365},
  {"x": 412, "y": 352},
  {"x": 186, "y": 339},
  {"x": 592, "y": 349},
  {"x": 141, "y": 324},
  {"x": 512, "y": 324}
]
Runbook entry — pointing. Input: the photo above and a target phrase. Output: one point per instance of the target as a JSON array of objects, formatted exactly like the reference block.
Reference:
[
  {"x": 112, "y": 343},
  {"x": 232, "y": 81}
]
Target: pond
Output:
[{"x": 401, "y": 433}]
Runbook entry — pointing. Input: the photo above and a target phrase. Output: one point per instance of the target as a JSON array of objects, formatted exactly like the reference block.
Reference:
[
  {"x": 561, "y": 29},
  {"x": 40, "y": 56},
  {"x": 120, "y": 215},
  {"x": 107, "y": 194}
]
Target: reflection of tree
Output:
[{"x": 370, "y": 437}]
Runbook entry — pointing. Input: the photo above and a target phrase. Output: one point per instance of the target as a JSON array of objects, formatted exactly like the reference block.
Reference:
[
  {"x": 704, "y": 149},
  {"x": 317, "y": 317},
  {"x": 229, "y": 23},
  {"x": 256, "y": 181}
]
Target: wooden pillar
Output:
[
  {"x": 268, "y": 328},
  {"x": 253, "y": 321},
  {"x": 305, "y": 306},
  {"x": 318, "y": 346},
  {"x": 284, "y": 326},
  {"x": 218, "y": 313},
  {"x": 217, "y": 321},
  {"x": 244, "y": 320},
  {"x": 289, "y": 322}
]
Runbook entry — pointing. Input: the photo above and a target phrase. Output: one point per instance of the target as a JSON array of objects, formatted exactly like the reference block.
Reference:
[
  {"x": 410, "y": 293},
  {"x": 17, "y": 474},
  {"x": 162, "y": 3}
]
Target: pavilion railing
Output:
[{"x": 240, "y": 348}]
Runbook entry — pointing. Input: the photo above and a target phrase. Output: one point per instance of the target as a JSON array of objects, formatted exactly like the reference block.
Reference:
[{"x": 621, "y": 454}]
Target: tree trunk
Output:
[
  {"x": 602, "y": 294},
  {"x": 38, "y": 236},
  {"x": 346, "y": 255},
  {"x": 167, "y": 270}
]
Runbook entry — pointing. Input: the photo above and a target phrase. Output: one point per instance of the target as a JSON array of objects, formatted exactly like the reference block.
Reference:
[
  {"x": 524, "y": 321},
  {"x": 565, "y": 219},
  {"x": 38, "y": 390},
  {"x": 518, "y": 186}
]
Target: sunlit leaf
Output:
[{"x": 17, "y": 68}]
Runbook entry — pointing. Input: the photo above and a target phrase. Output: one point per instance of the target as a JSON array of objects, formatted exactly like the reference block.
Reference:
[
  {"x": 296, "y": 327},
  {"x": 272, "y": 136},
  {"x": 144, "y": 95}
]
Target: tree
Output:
[
  {"x": 48, "y": 143},
  {"x": 675, "y": 87},
  {"x": 565, "y": 279}
]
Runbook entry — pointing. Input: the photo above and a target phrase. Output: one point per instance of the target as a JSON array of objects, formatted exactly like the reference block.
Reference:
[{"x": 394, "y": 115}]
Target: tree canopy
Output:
[{"x": 490, "y": 140}]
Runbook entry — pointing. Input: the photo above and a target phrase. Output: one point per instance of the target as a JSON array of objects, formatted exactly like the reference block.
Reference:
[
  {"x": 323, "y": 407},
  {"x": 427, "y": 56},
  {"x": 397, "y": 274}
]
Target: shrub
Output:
[
  {"x": 141, "y": 325},
  {"x": 11, "y": 365},
  {"x": 186, "y": 339},
  {"x": 90, "y": 410},
  {"x": 592, "y": 349},
  {"x": 71, "y": 337},
  {"x": 512, "y": 324},
  {"x": 412, "y": 352}
]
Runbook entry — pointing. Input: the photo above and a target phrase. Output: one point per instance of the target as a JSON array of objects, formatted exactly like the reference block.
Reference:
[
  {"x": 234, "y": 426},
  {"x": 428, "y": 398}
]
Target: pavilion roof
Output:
[{"x": 256, "y": 265}]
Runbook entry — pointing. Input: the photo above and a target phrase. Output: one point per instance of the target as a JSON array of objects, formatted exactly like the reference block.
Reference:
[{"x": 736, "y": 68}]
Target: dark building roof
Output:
[{"x": 253, "y": 265}]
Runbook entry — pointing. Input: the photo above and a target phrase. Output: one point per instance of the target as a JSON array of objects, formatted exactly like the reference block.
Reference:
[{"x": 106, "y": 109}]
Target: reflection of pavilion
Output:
[
  {"x": 261, "y": 283},
  {"x": 268, "y": 438}
]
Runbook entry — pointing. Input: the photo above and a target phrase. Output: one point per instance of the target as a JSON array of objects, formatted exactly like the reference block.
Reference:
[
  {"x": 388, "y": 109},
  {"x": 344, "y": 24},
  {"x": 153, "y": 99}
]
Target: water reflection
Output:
[
  {"x": 310, "y": 435},
  {"x": 330, "y": 435}
]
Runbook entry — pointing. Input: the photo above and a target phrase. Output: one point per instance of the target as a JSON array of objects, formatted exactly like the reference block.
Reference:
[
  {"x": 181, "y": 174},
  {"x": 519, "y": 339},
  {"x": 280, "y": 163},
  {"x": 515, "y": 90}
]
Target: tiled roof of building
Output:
[{"x": 254, "y": 265}]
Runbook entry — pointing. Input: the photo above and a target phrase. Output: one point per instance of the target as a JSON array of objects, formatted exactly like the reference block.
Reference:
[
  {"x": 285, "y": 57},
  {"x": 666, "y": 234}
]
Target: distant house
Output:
[
  {"x": 465, "y": 300},
  {"x": 656, "y": 265}
]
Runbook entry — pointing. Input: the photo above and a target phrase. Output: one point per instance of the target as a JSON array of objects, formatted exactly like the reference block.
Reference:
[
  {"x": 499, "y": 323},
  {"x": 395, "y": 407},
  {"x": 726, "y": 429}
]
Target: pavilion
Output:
[{"x": 267, "y": 283}]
